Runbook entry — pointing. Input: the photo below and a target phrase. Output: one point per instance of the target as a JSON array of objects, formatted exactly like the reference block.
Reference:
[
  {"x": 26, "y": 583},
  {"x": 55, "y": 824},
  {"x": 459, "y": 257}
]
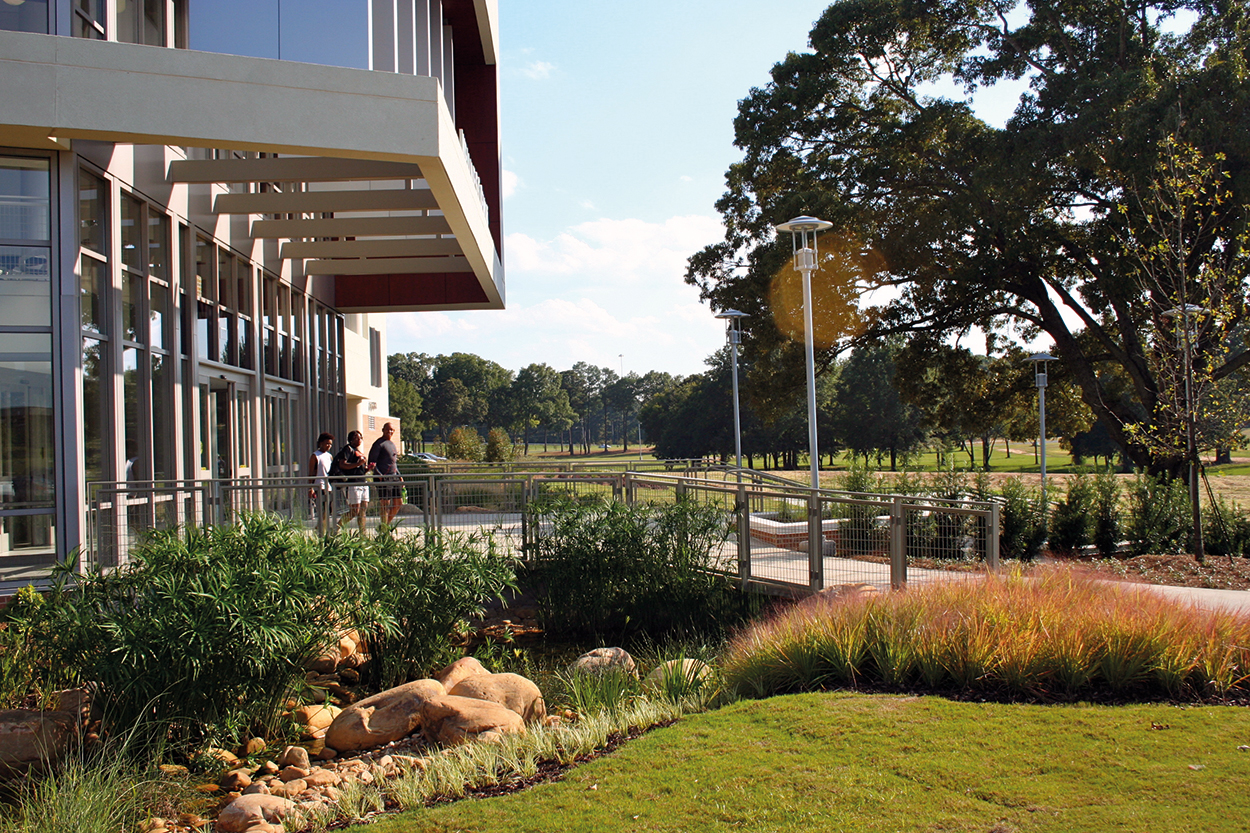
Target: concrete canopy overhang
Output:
[{"x": 392, "y": 133}]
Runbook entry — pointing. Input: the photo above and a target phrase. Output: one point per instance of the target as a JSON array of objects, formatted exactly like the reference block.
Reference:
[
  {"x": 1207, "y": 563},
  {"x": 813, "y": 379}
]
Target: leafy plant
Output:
[
  {"x": 605, "y": 567},
  {"x": 1071, "y": 521},
  {"x": 1159, "y": 514},
  {"x": 428, "y": 583},
  {"x": 1022, "y": 521},
  {"x": 465, "y": 444},
  {"x": 593, "y": 692},
  {"x": 499, "y": 446},
  {"x": 1108, "y": 518}
]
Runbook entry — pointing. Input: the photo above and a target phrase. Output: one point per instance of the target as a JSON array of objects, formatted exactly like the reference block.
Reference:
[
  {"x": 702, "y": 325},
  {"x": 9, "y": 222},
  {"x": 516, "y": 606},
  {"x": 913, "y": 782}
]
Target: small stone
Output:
[
  {"x": 270, "y": 768},
  {"x": 235, "y": 779},
  {"x": 152, "y": 825},
  {"x": 173, "y": 770},
  {"x": 245, "y": 813},
  {"x": 294, "y": 756},
  {"x": 223, "y": 756},
  {"x": 258, "y": 788},
  {"x": 208, "y": 788},
  {"x": 191, "y": 820},
  {"x": 290, "y": 773},
  {"x": 349, "y": 675},
  {"x": 327, "y": 754},
  {"x": 323, "y": 778},
  {"x": 254, "y": 746}
]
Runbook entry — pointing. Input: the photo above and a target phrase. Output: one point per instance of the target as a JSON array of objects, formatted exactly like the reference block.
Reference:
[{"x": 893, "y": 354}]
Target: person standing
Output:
[
  {"x": 384, "y": 462},
  {"x": 353, "y": 465},
  {"x": 321, "y": 494}
]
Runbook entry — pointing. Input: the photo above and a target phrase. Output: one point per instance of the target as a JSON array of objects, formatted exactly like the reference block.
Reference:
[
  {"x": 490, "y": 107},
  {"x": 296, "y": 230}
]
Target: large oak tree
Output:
[{"x": 1017, "y": 229}]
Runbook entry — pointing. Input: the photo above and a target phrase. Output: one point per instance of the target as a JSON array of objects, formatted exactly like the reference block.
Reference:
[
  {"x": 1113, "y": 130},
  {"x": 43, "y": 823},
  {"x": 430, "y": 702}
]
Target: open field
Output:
[{"x": 835, "y": 761}]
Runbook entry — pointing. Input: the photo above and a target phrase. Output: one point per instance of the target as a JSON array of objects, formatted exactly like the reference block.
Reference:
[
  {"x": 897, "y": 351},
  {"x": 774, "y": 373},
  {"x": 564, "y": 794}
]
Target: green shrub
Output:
[
  {"x": 1108, "y": 518},
  {"x": 499, "y": 447},
  {"x": 1226, "y": 529},
  {"x": 1159, "y": 515},
  {"x": 430, "y": 583},
  {"x": 1072, "y": 519},
  {"x": 604, "y": 567},
  {"x": 202, "y": 633},
  {"x": 1021, "y": 521},
  {"x": 594, "y": 692},
  {"x": 24, "y": 669},
  {"x": 465, "y": 444}
]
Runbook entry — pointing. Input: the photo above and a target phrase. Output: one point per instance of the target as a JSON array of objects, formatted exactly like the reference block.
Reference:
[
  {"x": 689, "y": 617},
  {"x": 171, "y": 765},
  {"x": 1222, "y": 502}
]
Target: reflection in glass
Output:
[
  {"x": 225, "y": 340},
  {"x": 92, "y": 220},
  {"x": 245, "y": 344},
  {"x": 158, "y": 315},
  {"x": 28, "y": 16},
  {"x": 132, "y": 295},
  {"x": 136, "y": 468},
  {"x": 25, "y": 286},
  {"x": 90, "y": 284},
  {"x": 162, "y": 417},
  {"x": 330, "y": 32},
  {"x": 158, "y": 243},
  {"x": 132, "y": 232},
  {"x": 24, "y": 199},
  {"x": 93, "y": 408},
  {"x": 204, "y": 328},
  {"x": 26, "y": 533},
  {"x": 243, "y": 455},
  {"x": 26, "y": 422}
]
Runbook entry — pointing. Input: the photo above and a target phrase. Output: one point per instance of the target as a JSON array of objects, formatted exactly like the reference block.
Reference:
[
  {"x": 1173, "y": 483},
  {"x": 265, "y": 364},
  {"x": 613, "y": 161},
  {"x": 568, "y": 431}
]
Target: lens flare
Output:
[{"x": 845, "y": 271}]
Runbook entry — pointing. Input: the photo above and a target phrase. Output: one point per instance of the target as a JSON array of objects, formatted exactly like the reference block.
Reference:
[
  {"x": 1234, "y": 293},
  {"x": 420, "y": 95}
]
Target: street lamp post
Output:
[
  {"x": 1040, "y": 378},
  {"x": 733, "y": 321},
  {"x": 799, "y": 230},
  {"x": 1186, "y": 313}
]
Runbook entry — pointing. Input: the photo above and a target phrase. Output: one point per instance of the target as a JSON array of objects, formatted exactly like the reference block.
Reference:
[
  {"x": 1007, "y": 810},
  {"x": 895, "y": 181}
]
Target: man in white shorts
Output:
[{"x": 354, "y": 466}]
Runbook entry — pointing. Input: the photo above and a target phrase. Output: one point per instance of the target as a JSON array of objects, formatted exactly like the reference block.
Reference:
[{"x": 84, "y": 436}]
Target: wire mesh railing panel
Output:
[
  {"x": 120, "y": 514},
  {"x": 855, "y": 541},
  {"x": 777, "y": 545},
  {"x": 484, "y": 506}
]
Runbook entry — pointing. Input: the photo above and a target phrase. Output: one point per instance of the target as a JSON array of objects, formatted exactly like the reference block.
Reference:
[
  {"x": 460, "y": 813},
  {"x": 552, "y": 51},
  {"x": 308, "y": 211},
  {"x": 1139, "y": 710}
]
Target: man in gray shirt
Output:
[{"x": 382, "y": 460}]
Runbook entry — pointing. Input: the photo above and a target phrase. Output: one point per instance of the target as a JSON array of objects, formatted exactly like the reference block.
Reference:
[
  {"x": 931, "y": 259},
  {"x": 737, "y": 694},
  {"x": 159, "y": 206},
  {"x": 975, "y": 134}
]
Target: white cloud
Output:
[
  {"x": 511, "y": 182},
  {"x": 684, "y": 178},
  {"x": 537, "y": 70},
  {"x": 599, "y": 290},
  {"x": 587, "y": 204}
]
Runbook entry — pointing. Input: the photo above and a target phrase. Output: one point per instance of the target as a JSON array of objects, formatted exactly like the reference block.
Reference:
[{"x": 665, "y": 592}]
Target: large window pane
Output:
[
  {"x": 28, "y": 16},
  {"x": 162, "y": 417},
  {"x": 331, "y": 32},
  {"x": 91, "y": 293},
  {"x": 159, "y": 316},
  {"x": 25, "y": 287},
  {"x": 93, "y": 408},
  {"x": 158, "y": 244},
  {"x": 24, "y": 199},
  {"x": 132, "y": 416},
  {"x": 27, "y": 464},
  {"x": 92, "y": 219},
  {"x": 133, "y": 287}
]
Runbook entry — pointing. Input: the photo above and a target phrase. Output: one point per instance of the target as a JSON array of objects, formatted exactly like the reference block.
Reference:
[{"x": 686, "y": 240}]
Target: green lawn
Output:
[{"x": 847, "y": 762}]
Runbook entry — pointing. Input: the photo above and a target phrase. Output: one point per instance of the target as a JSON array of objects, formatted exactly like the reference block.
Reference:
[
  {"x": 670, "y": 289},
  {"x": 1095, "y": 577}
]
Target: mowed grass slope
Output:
[{"x": 851, "y": 762}]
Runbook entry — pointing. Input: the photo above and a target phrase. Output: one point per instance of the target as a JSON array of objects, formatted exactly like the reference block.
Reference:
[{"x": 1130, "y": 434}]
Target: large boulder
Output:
[
  {"x": 29, "y": 739},
  {"x": 461, "y": 669},
  {"x": 452, "y": 720},
  {"x": 509, "y": 690},
  {"x": 382, "y": 718},
  {"x": 249, "y": 811},
  {"x": 605, "y": 660}
]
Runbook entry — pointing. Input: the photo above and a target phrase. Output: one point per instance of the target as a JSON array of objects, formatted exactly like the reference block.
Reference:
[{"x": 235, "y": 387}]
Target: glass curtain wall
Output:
[{"x": 27, "y": 451}]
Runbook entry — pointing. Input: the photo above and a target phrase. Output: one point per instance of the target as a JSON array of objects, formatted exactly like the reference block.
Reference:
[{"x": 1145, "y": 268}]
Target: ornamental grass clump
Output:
[{"x": 1059, "y": 635}]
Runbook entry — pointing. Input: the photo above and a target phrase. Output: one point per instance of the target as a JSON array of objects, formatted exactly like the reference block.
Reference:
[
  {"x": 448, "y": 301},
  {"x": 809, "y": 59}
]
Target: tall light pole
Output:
[
  {"x": 1187, "y": 313},
  {"x": 1040, "y": 378},
  {"x": 733, "y": 321},
  {"x": 804, "y": 247}
]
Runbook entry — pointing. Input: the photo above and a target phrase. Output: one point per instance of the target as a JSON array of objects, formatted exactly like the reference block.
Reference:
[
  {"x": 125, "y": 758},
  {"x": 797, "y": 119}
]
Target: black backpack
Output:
[{"x": 336, "y": 470}]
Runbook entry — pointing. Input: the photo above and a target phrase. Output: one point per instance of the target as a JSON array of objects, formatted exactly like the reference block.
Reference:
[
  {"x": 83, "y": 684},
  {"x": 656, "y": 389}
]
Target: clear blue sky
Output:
[{"x": 617, "y": 131}]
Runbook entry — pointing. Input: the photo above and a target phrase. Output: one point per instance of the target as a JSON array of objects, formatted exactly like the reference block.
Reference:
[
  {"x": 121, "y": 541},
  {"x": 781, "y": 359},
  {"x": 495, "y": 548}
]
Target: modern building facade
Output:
[{"x": 204, "y": 207}]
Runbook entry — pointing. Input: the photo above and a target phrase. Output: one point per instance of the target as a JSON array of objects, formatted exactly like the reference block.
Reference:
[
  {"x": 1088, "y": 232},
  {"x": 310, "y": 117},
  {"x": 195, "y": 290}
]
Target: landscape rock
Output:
[
  {"x": 690, "y": 669},
  {"x": 247, "y": 811},
  {"x": 461, "y": 669},
  {"x": 31, "y": 738},
  {"x": 382, "y": 718},
  {"x": 452, "y": 720},
  {"x": 223, "y": 756},
  {"x": 510, "y": 690},
  {"x": 314, "y": 717},
  {"x": 296, "y": 756},
  {"x": 601, "y": 660},
  {"x": 235, "y": 779}
]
